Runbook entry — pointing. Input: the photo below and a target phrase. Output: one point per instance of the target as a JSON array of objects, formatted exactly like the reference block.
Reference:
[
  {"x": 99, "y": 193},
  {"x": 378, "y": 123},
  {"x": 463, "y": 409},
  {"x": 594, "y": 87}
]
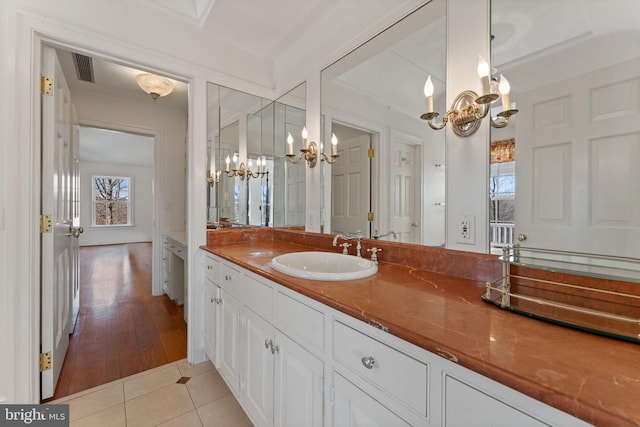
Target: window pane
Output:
[{"x": 111, "y": 200}]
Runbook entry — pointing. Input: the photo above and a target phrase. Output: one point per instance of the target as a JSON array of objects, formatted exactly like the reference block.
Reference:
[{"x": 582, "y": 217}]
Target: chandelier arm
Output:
[{"x": 445, "y": 120}]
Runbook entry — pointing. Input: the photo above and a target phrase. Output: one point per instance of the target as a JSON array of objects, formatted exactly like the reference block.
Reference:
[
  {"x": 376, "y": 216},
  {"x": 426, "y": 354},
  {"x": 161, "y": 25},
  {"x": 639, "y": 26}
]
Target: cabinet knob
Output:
[
  {"x": 368, "y": 362},
  {"x": 209, "y": 267},
  {"x": 227, "y": 277},
  {"x": 212, "y": 299}
]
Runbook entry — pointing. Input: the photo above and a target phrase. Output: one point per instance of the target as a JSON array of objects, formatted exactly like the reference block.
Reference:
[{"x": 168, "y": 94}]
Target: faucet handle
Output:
[
  {"x": 374, "y": 253},
  {"x": 345, "y": 248}
]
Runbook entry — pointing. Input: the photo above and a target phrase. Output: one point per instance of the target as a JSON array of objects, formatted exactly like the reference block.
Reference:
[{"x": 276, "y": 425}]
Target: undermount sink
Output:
[{"x": 327, "y": 266}]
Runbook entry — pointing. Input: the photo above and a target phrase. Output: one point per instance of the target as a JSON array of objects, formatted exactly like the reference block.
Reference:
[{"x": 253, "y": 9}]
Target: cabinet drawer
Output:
[
  {"x": 258, "y": 297},
  {"x": 212, "y": 269},
  {"x": 300, "y": 321},
  {"x": 398, "y": 374}
]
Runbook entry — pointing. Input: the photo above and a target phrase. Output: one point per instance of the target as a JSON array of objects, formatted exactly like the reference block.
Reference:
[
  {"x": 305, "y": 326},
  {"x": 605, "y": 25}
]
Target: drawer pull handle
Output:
[
  {"x": 209, "y": 267},
  {"x": 218, "y": 300},
  {"x": 227, "y": 277},
  {"x": 212, "y": 299},
  {"x": 368, "y": 362},
  {"x": 268, "y": 343}
]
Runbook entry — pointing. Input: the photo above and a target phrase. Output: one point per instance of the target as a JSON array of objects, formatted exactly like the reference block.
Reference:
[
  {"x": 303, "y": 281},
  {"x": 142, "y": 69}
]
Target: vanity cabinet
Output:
[
  {"x": 292, "y": 361},
  {"x": 276, "y": 380},
  {"x": 174, "y": 257}
]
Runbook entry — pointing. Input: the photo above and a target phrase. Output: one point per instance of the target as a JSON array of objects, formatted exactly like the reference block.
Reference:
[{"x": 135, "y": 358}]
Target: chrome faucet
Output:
[{"x": 377, "y": 235}]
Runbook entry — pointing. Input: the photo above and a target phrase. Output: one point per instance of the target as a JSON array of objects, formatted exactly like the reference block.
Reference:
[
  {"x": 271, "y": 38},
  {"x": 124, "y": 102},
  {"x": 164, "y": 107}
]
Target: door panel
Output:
[
  {"x": 578, "y": 148},
  {"x": 58, "y": 257}
]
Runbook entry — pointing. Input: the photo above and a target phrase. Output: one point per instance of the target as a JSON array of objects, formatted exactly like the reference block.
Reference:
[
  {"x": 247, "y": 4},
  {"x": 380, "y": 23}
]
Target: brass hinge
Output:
[
  {"x": 371, "y": 153},
  {"x": 370, "y": 216},
  {"x": 45, "y": 223},
  {"x": 45, "y": 361},
  {"x": 46, "y": 85}
]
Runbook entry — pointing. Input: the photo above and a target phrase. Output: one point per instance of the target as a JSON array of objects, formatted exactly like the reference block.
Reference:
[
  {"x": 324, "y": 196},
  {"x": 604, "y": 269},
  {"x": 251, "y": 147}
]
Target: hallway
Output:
[{"x": 121, "y": 328}]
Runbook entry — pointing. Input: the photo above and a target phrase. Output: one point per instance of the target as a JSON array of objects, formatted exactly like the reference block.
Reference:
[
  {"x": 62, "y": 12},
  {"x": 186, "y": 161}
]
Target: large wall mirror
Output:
[
  {"x": 574, "y": 147},
  {"x": 247, "y": 177},
  {"x": 389, "y": 181}
]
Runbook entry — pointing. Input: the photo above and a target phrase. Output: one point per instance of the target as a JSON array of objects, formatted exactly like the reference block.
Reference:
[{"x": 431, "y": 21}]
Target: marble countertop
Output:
[{"x": 593, "y": 378}]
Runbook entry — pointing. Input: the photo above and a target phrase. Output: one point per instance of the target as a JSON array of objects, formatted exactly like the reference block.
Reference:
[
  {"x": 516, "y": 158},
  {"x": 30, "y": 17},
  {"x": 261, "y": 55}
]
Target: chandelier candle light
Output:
[
  {"x": 468, "y": 109},
  {"x": 309, "y": 150},
  {"x": 243, "y": 170}
]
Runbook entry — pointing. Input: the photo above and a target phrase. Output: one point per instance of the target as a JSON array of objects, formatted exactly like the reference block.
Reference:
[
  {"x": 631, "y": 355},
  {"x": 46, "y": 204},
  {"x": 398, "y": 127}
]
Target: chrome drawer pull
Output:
[{"x": 368, "y": 362}]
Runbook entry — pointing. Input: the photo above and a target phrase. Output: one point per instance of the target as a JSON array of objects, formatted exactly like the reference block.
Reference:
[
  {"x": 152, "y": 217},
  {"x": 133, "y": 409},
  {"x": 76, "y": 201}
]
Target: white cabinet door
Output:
[
  {"x": 212, "y": 301},
  {"x": 230, "y": 340},
  {"x": 298, "y": 390},
  {"x": 355, "y": 408},
  {"x": 258, "y": 373},
  {"x": 467, "y": 406}
]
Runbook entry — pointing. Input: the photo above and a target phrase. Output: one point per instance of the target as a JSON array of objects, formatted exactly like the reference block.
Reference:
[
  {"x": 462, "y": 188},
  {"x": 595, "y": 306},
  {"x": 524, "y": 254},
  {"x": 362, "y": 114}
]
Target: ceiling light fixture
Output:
[
  {"x": 468, "y": 109},
  {"x": 156, "y": 86}
]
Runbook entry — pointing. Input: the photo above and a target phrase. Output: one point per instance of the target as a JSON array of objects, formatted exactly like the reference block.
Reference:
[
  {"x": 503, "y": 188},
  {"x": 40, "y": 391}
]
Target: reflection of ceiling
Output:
[
  {"x": 549, "y": 32},
  {"x": 107, "y": 146}
]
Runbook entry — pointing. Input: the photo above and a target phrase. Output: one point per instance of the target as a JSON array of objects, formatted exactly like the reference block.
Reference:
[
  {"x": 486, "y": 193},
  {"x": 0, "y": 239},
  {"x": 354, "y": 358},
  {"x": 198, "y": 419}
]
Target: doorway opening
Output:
[{"x": 122, "y": 286}]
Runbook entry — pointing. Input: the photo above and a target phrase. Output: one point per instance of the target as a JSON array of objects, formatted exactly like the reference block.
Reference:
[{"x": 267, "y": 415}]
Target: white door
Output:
[
  {"x": 58, "y": 255},
  {"x": 404, "y": 192},
  {"x": 75, "y": 214},
  {"x": 578, "y": 148},
  {"x": 258, "y": 381},
  {"x": 230, "y": 341},
  {"x": 298, "y": 391},
  {"x": 350, "y": 186}
]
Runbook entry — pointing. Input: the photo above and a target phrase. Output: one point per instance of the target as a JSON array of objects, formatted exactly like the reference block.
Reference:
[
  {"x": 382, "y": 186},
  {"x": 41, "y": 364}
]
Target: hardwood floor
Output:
[{"x": 121, "y": 329}]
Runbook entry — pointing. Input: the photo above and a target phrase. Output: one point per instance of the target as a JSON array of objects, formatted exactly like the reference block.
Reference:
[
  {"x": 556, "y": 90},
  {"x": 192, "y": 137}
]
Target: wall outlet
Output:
[{"x": 467, "y": 230}]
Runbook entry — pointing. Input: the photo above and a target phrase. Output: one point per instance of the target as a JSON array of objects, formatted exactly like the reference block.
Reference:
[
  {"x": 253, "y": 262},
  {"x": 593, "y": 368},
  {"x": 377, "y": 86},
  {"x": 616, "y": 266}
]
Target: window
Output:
[
  {"x": 502, "y": 192},
  {"x": 112, "y": 201}
]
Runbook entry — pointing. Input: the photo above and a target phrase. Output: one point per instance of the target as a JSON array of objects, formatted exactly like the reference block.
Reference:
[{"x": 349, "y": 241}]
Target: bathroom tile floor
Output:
[{"x": 176, "y": 394}]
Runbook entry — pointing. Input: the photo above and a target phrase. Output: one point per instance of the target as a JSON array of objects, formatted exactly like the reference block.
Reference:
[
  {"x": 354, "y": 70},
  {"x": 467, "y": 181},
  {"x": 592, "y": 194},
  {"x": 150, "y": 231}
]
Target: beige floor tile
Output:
[
  {"x": 91, "y": 403},
  {"x": 153, "y": 381},
  {"x": 224, "y": 412},
  {"x": 158, "y": 406},
  {"x": 188, "y": 370},
  {"x": 206, "y": 388},
  {"x": 190, "y": 419},
  {"x": 111, "y": 417}
]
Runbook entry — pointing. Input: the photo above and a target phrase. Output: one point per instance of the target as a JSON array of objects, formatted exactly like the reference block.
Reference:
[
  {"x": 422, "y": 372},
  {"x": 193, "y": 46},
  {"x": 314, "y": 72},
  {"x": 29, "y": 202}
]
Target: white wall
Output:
[{"x": 141, "y": 195}]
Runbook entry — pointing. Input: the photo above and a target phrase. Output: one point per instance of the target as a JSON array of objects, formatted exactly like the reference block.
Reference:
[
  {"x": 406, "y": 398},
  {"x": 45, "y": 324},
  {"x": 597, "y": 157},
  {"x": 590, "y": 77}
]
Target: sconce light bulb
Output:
[
  {"x": 504, "y": 86},
  {"x": 483, "y": 67},
  {"x": 305, "y": 134},
  {"x": 250, "y": 163},
  {"x": 289, "y": 139},
  {"x": 428, "y": 87},
  {"x": 228, "y": 160},
  {"x": 334, "y": 139},
  {"x": 235, "y": 158}
]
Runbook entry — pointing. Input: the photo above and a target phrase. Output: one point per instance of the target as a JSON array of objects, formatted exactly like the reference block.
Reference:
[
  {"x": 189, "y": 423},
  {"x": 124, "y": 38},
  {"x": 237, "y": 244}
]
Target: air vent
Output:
[{"x": 84, "y": 67}]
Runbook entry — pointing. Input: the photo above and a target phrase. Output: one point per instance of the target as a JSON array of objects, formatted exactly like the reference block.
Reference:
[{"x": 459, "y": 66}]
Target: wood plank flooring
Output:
[{"x": 121, "y": 329}]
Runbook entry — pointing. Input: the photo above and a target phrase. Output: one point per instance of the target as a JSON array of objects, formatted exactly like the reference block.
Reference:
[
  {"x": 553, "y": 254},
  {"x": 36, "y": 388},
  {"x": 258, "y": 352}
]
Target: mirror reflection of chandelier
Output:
[
  {"x": 245, "y": 171},
  {"x": 468, "y": 109},
  {"x": 310, "y": 152}
]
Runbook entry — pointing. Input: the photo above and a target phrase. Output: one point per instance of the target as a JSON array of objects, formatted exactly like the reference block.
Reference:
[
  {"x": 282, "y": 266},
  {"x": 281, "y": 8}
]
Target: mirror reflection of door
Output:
[
  {"x": 350, "y": 182},
  {"x": 404, "y": 190}
]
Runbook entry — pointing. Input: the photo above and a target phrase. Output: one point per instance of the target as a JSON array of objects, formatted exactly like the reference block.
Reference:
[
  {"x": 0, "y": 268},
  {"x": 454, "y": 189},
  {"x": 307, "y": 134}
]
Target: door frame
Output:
[{"x": 31, "y": 34}]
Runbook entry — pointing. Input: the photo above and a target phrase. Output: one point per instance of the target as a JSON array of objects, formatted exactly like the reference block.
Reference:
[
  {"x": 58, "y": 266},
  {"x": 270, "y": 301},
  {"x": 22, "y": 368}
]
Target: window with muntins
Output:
[{"x": 112, "y": 201}]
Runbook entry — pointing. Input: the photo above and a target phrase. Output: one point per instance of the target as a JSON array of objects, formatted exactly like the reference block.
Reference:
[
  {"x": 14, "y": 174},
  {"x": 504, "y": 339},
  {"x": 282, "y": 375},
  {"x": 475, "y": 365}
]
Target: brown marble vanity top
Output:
[{"x": 594, "y": 378}]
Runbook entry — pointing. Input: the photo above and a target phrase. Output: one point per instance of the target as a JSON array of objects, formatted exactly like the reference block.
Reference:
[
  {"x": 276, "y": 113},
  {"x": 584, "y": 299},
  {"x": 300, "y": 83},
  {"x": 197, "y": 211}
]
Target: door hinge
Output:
[
  {"x": 45, "y": 361},
  {"x": 46, "y": 85},
  {"x": 45, "y": 223},
  {"x": 370, "y": 216},
  {"x": 371, "y": 153}
]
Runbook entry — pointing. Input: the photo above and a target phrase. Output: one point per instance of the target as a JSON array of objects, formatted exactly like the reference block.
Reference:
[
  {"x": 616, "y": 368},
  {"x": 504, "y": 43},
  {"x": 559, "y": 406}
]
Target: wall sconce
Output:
[
  {"x": 214, "y": 178},
  {"x": 468, "y": 109},
  {"x": 156, "y": 86},
  {"x": 309, "y": 150},
  {"x": 243, "y": 171}
]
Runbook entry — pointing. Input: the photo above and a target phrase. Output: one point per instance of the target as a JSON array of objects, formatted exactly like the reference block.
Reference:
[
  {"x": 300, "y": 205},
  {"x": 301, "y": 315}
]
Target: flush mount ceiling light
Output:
[{"x": 156, "y": 86}]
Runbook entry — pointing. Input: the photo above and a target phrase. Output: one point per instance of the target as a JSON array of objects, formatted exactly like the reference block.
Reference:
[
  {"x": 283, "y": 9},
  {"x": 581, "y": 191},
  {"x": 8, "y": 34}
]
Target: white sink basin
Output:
[{"x": 324, "y": 266}]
